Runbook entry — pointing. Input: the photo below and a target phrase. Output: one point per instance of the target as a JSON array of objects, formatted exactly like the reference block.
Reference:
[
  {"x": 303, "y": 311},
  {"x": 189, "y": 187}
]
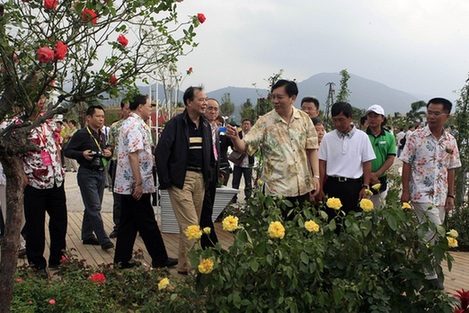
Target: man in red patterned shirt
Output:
[{"x": 44, "y": 192}]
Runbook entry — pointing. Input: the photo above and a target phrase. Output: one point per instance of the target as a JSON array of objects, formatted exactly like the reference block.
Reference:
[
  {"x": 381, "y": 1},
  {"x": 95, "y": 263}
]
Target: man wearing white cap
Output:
[{"x": 384, "y": 146}]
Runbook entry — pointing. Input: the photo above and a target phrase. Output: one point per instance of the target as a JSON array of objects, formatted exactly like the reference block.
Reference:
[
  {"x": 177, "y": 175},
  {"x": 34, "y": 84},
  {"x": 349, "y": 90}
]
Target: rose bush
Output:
[{"x": 374, "y": 264}]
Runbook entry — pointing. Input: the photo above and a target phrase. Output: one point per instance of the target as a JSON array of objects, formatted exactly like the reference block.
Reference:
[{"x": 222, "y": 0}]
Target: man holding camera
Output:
[{"x": 88, "y": 147}]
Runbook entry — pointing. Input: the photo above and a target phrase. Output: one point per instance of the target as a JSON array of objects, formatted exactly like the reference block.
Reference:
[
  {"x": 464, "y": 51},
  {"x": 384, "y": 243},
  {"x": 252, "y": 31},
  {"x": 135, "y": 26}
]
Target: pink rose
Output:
[
  {"x": 52, "y": 301},
  {"x": 19, "y": 280},
  {"x": 122, "y": 40},
  {"x": 113, "y": 81},
  {"x": 201, "y": 17},
  {"x": 51, "y": 4},
  {"x": 60, "y": 50},
  {"x": 45, "y": 54},
  {"x": 88, "y": 15}
]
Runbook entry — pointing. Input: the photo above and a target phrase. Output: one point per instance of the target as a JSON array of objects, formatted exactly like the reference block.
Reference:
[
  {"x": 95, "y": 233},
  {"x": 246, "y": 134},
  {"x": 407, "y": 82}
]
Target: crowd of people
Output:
[{"x": 301, "y": 162}]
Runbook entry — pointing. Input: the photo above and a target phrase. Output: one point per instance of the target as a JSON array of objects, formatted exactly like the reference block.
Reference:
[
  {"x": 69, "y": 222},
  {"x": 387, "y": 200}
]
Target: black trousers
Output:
[
  {"x": 36, "y": 203},
  {"x": 206, "y": 216},
  {"x": 348, "y": 192},
  {"x": 138, "y": 216}
]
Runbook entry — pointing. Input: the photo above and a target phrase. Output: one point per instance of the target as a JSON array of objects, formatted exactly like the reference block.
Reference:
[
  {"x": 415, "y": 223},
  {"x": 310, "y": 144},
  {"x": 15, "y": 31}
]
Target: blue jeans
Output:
[{"x": 91, "y": 184}]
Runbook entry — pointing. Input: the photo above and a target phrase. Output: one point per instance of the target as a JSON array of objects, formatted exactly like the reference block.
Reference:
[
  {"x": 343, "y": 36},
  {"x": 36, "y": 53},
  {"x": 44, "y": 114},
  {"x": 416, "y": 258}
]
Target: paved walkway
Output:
[{"x": 457, "y": 279}]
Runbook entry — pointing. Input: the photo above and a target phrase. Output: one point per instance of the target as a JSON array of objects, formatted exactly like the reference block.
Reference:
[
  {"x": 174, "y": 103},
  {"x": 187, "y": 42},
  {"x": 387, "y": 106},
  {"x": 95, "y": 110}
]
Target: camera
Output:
[{"x": 96, "y": 161}]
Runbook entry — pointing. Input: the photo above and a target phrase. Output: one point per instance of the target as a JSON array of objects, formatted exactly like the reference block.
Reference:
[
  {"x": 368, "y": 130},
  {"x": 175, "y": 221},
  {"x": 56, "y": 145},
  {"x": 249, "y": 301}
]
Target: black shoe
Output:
[
  {"x": 107, "y": 245},
  {"x": 436, "y": 284},
  {"x": 113, "y": 234},
  {"x": 41, "y": 273},
  {"x": 22, "y": 253},
  {"x": 91, "y": 241},
  {"x": 170, "y": 262},
  {"x": 127, "y": 265},
  {"x": 54, "y": 266}
]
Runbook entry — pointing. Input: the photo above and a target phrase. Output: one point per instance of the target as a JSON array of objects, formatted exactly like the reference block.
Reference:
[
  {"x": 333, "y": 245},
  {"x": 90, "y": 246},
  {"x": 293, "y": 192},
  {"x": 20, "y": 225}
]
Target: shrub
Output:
[
  {"x": 374, "y": 264},
  {"x": 459, "y": 220}
]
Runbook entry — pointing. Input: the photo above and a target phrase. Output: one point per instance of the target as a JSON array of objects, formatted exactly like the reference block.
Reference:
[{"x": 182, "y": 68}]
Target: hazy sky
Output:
[{"x": 418, "y": 46}]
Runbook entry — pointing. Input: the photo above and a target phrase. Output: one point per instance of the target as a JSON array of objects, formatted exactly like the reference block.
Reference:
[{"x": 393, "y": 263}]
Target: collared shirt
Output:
[
  {"x": 114, "y": 137},
  {"x": 134, "y": 137},
  {"x": 346, "y": 153},
  {"x": 43, "y": 167},
  {"x": 286, "y": 170},
  {"x": 430, "y": 159},
  {"x": 383, "y": 145}
]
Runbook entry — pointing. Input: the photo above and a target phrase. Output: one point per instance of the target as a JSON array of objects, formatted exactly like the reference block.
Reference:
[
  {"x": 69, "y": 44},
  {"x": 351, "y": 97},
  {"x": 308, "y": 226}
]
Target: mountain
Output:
[{"x": 364, "y": 92}]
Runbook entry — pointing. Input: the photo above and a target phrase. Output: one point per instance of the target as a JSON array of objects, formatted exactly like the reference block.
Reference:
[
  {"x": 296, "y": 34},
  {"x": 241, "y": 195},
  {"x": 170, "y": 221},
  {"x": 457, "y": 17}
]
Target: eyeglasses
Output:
[{"x": 435, "y": 114}]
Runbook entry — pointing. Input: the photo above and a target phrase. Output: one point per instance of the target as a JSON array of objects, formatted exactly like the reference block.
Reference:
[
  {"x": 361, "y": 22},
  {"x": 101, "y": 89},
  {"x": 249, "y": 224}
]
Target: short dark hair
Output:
[
  {"x": 91, "y": 109},
  {"x": 64, "y": 120},
  {"x": 290, "y": 87},
  {"x": 213, "y": 99},
  {"x": 73, "y": 122},
  {"x": 316, "y": 121},
  {"x": 246, "y": 119},
  {"x": 342, "y": 107},
  {"x": 363, "y": 120},
  {"x": 447, "y": 105},
  {"x": 137, "y": 100},
  {"x": 190, "y": 92},
  {"x": 123, "y": 102},
  {"x": 311, "y": 99}
]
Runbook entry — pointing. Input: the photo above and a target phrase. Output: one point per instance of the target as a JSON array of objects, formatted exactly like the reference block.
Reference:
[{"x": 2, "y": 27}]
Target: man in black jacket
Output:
[
  {"x": 88, "y": 146},
  {"x": 185, "y": 162}
]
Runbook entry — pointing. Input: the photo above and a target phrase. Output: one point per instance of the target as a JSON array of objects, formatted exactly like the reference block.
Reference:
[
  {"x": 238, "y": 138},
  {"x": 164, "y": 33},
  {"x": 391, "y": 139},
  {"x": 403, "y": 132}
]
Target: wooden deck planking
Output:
[{"x": 457, "y": 279}]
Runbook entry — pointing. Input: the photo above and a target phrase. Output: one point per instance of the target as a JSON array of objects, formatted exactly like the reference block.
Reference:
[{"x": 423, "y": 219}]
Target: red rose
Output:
[
  {"x": 60, "y": 50},
  {"x": 51, "y": 4},
  {"x": 122, "y": 40},
  {"x": 98, "y": 278},
  {"x": 113, "y": 80},
  {"x": 88, "y": 15},
  {"x": 201, "y": 17},
  {"x": 45, "y": 54},
  {"x": 189, "y": 71}
]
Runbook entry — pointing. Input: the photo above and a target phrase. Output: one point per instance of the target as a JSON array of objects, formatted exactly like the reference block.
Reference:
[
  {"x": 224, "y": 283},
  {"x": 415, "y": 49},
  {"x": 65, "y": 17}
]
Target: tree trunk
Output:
[{"x": 13, "y": 169}]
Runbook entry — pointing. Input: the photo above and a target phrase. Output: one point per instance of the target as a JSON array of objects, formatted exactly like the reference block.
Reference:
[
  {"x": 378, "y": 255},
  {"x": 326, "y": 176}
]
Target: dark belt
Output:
[
  {"x": 194, "y": 169},
  {"x": 344, "y": 179}
]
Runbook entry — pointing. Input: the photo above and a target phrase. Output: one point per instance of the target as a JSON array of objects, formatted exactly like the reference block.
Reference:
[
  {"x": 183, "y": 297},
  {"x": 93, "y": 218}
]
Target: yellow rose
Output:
[
  {"x": 406, "y": 205},
  {"x": 276, "y": 230},
  {"x": 376, "y": 186},
  {"x": 453, "y": 233},
  {"x": 334, "y": 203},
  {"x": 207, "y": 230},
  {"x": 230, "y": 223},
  {"x": 205, "y": 266},
  {"x": 368, "y": 192},
  {"x": 193, "y": 232},
  {"x": 312, "y": 226},
  {"x": 452, "y": 242},
  {"x": 366, "y": 205},
  {"x": 163, "y": 283}
]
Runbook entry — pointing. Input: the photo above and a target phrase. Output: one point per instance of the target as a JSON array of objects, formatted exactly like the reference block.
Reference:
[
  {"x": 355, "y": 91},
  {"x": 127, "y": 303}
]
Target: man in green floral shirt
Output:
[
  {"x": 288, "y": 143},
  {"x": 113, "y": 141}
]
